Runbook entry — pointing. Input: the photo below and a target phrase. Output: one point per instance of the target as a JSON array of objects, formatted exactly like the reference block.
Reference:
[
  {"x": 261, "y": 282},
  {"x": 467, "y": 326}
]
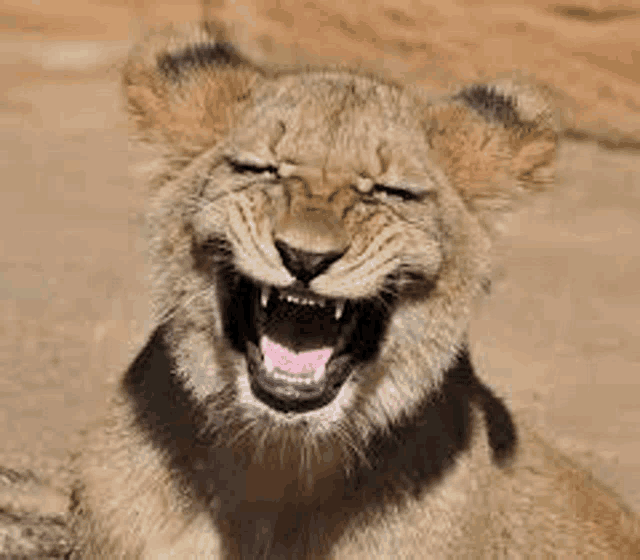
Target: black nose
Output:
[{"x": 305, "y": 265}]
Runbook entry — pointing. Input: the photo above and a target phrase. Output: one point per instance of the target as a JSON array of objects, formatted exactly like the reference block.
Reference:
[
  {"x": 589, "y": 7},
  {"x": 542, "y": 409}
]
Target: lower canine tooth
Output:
[
  {"x": 264, "y": 296},
  {"x": 339, "y": 310}
]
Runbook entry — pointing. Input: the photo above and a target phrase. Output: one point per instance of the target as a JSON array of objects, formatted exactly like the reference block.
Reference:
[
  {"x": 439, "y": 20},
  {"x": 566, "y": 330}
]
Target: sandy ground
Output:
[{"x": 559, "y": 336}]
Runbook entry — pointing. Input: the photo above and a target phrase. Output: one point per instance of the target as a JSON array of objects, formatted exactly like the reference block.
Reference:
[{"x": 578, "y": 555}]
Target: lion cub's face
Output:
[
  {"x": 323, "y": 229},
  {"x": 328, "y": 209}
]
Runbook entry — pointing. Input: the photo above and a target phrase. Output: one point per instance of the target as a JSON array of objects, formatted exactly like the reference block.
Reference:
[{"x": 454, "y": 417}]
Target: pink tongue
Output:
[{"x": 287, "y": 361}]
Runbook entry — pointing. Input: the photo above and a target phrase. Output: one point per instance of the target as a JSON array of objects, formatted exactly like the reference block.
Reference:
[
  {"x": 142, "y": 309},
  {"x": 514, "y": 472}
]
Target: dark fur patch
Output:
[
  {"x": 196, "y": 57},
  {"x": 406, "y": 459},
  {"x": 503, "y": 438},
  {"x": 491, "y": 104}
]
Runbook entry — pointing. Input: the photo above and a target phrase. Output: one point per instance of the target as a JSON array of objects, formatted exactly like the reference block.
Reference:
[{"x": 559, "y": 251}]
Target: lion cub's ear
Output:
[
  {"x": 184, "y": 87},
  {"x": 494, "y": 140}
]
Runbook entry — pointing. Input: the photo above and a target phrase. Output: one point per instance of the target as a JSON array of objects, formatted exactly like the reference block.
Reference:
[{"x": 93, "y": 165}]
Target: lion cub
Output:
[{"x": 319, "y": 238}]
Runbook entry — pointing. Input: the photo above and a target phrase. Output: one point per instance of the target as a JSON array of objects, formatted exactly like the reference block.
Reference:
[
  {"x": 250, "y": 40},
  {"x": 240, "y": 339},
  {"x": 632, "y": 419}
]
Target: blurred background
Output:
[{"x": 559, "y": 337}]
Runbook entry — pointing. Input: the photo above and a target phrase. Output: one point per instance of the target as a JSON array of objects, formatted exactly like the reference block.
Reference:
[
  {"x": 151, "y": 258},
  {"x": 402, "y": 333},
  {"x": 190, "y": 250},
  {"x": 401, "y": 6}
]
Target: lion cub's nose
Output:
[
  {"x": 305, "y": 265},
  {"x": 310, "y": 237}
]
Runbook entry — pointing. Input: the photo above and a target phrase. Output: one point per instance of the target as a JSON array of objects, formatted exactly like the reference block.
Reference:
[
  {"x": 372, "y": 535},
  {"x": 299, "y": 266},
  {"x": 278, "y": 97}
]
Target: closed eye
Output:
[
  {"x": 252, "y": 168},
  {"x": 385, "y": 192}
]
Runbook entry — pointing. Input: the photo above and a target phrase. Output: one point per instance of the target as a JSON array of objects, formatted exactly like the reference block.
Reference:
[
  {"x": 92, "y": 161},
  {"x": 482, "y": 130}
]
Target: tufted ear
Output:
[
  {"x": 183, "y": 89},
  {"x": 494, "y": 141}
]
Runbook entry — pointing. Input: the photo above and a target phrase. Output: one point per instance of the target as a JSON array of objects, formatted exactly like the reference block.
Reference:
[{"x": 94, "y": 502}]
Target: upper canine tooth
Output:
[
  {"x": 264, "y": 296},
  {"x": 339, "y": 310}
]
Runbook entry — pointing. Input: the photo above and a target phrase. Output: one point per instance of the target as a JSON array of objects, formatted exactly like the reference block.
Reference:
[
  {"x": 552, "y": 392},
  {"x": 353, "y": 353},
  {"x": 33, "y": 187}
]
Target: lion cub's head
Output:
[{"x": 319, "y": 236}]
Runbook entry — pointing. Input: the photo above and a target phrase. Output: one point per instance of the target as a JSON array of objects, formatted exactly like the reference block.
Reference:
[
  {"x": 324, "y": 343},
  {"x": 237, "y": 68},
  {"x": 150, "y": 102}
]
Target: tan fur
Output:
[{"x": 405, "y": 189}]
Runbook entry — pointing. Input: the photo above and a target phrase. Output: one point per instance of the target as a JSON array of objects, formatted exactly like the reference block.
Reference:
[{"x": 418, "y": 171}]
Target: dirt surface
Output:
[{"x": 559, "y": 336}]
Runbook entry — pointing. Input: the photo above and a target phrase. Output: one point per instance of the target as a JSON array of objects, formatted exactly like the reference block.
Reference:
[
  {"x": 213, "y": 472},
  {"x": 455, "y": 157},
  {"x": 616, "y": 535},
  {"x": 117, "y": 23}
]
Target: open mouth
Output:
[{"x": 300, "y": 347}]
